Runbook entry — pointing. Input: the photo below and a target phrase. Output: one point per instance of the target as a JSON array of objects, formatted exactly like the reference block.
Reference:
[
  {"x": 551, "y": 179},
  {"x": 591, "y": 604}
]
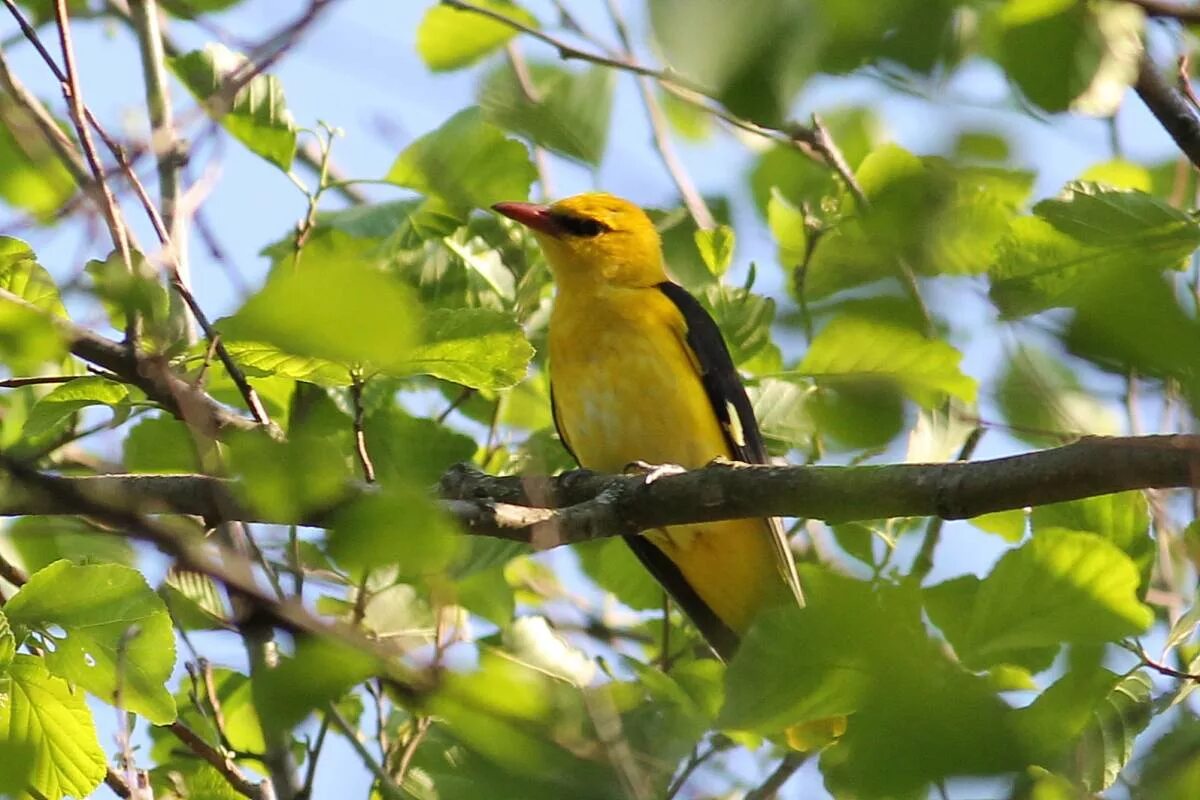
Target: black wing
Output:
[{"x": 732, "y": 407}]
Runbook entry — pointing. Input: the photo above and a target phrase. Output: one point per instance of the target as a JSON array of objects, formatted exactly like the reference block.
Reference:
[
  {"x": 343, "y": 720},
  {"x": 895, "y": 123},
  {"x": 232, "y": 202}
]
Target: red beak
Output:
[{"x": 531, "y": 215}]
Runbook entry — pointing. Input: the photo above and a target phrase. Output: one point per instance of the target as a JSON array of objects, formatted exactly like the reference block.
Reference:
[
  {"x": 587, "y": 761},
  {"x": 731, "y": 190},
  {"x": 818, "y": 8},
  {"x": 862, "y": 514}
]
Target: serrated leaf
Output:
[
  {"x": 569, "y": 113},
  {"x": 450, "y": 38},
  {"x": 783, "y": 412},
  {"x": 256, "y": 115},
  {"x": 70, "y": 397},
  {"x": 1122, "y": 518},
  {"x": 270, "y": 360},
  {"x": 744, "y": 319},
  {"x": 475, "y": 347},
  {"x": 194, "y": 599},
  {"x": 467, "y": 162},
  {"x": 115, "y": 631},
  {"x": 1077, "y": 242},
  {"x": 1074, "y": 588},
  {"x": 855, "y": 348},
  {"x": 42, "y": 718}
]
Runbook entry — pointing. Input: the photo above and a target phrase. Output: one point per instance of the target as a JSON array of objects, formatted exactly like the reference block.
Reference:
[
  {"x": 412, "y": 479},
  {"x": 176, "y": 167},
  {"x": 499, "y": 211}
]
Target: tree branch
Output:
[
  {"x": 1170, "y": 108},
  {"x": 581, "y": 506},
  {"x": 1165, "y": 9},
  {"x": 152, "y": 376}
]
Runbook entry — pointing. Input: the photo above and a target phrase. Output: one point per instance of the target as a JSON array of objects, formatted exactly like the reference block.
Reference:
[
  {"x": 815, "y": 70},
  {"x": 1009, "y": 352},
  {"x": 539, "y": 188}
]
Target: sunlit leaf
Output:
[
  {"x": 256, "y": 115},
  {"x": 569, "y": 112},
  {"x": 31, "y": 175},
  {"x": 475, "y": 347},
  {"x": 450, "y": 38},
  {"x": 115, "y": 632},
  {"x": 42, "y": 719},
  {"x": 468, "y": 162}
]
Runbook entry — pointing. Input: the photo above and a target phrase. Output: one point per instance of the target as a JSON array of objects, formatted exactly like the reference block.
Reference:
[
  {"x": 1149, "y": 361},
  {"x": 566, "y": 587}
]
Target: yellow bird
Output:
[{"x": 639, "y": 372}]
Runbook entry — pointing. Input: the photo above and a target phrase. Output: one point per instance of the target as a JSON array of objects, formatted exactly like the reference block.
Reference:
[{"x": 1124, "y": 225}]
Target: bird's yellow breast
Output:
[{"x": 627, "y": 388}]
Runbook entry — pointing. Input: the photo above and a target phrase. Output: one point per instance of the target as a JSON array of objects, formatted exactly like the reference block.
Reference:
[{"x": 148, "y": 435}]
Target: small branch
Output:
[
  {"x": 218, "y": 760},
  {"x": 387, "y": 787},
  {"x": 107, "y": 201},
  {"x": 150, "y": 375},
  {"x": 1170, "y": 109},
  {"x": 59, "y": 142},
  {"x": 410, "y": 747},
  {"x": 817, "y": 136},
  {"x": 775, "y": 781},
  {"x": 169, "y": 152},
  {"x": 360, "y": 436},
  {"x": 694, "y": 762},
  {"x": 37, "y": 380},
  {"x": 160, "y": 229},
  {"x": 1136, "y": 648}
]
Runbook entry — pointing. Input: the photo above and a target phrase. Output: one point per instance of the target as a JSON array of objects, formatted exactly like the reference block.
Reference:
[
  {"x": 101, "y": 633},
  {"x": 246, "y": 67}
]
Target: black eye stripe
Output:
[{"x": 581, "y": 226}]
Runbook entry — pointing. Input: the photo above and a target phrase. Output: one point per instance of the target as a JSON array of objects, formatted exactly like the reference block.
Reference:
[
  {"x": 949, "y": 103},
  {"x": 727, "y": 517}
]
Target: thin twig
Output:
[
  {"x": 384, "y": 782},
  {"x": 253, "y": 403},
  {"x": 694, "y": 762},
  {"x": 170, "y": 153},
  {"x": 108, "y": 201},
  {"x": 16, "y": 383},
  {"x": 775, "y": 781},
  {"x": 541, "y": 158},
  {"x": 225, "y": 765},
  {"x": 360, "y": 436},
  {"x": 410, "y": 747}
]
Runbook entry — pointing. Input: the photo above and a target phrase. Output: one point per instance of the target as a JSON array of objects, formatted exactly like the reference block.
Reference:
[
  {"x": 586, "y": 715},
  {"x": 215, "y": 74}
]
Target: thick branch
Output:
[{"x": 580, "y": 506}]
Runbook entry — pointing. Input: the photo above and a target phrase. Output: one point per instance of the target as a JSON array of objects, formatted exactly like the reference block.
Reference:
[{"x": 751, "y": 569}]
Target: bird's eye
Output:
[{"x": 581, "y": 226}]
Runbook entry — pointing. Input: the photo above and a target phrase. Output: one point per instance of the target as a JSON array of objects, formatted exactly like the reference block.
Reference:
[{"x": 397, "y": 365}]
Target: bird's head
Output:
[{"x": 592, "y": 239}]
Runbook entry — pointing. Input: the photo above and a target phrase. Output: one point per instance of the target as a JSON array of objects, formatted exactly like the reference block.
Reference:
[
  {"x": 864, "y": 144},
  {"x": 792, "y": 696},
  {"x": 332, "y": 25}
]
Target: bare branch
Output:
[
  {"x": 581, "y": 506},
  {"x": 1170, "y": 108},
  {"x": 1165, "y": 9}
]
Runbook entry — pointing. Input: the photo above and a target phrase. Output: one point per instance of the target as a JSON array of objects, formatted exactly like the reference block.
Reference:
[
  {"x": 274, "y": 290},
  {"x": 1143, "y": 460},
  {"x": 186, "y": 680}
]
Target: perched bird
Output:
[{"x": 639, "y": 372}]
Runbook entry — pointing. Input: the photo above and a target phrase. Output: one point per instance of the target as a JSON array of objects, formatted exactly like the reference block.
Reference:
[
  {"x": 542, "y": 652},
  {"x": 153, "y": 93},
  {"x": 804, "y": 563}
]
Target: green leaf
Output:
[
  {"x": 270, "y": 360},
  {"x": 450, "y": 38},
  {"x": 1081, "y": 242},
  {"x": 783, "y": 412},
  {"x": 1043, "y": 402},
  {"x": 1050, "y": 48},
  {"x": 716, "y": 248},
  {"x": 257, "y": 115},
  {"x": 308, "y": 472},
  {"x": 21, "y": 274},
  {"x": 40, "y": 541},
  {"x": 8, "y": 645},
  {"x": 487, "y": 594},
  {"x": 160, "y": 444},
  {"x": 195, "y": 601},
  {"x": 398, "y": 526},
  {"x": 69, "y": 398},
  {"x": 1123, "y": 519},
  {"x": 115, "y": 632},
  {"x": 413, "y": 450},
  {"x": 569, "y": 115},
  {"x": 790, "y": 229},
  {"x": 233, "y": 694},
  {"x": 856, "y": 348},
  {"x": 475, "y": 347},
  {"x": 467, "y": 162},
  {"x": 1171, "y": 768},
  {"x": 863, "y": 650},
  {"x": 31, "y": 175},
  {"x": 1075, "y": 588},
  {"x": 744, "y": 319},
  {"x": 320, "y": 672},
  {"x": 961, "y": 214},
  {"x": 43, "y": 719},
  {"x": 139, "y": 292},
  {"x": 364, "y": 317},
  {"x": 615, "y": 569},
  {"x": 1117, "y": 721}
]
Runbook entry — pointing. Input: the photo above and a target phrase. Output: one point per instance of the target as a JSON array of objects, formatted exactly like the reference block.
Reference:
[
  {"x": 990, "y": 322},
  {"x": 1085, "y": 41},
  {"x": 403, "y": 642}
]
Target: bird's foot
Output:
[{"x": 652, "y": 472}]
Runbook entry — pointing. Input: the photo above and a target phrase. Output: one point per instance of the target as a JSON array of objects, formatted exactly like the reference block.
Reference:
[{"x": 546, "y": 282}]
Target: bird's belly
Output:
[{"x": 639, "y": 399}]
